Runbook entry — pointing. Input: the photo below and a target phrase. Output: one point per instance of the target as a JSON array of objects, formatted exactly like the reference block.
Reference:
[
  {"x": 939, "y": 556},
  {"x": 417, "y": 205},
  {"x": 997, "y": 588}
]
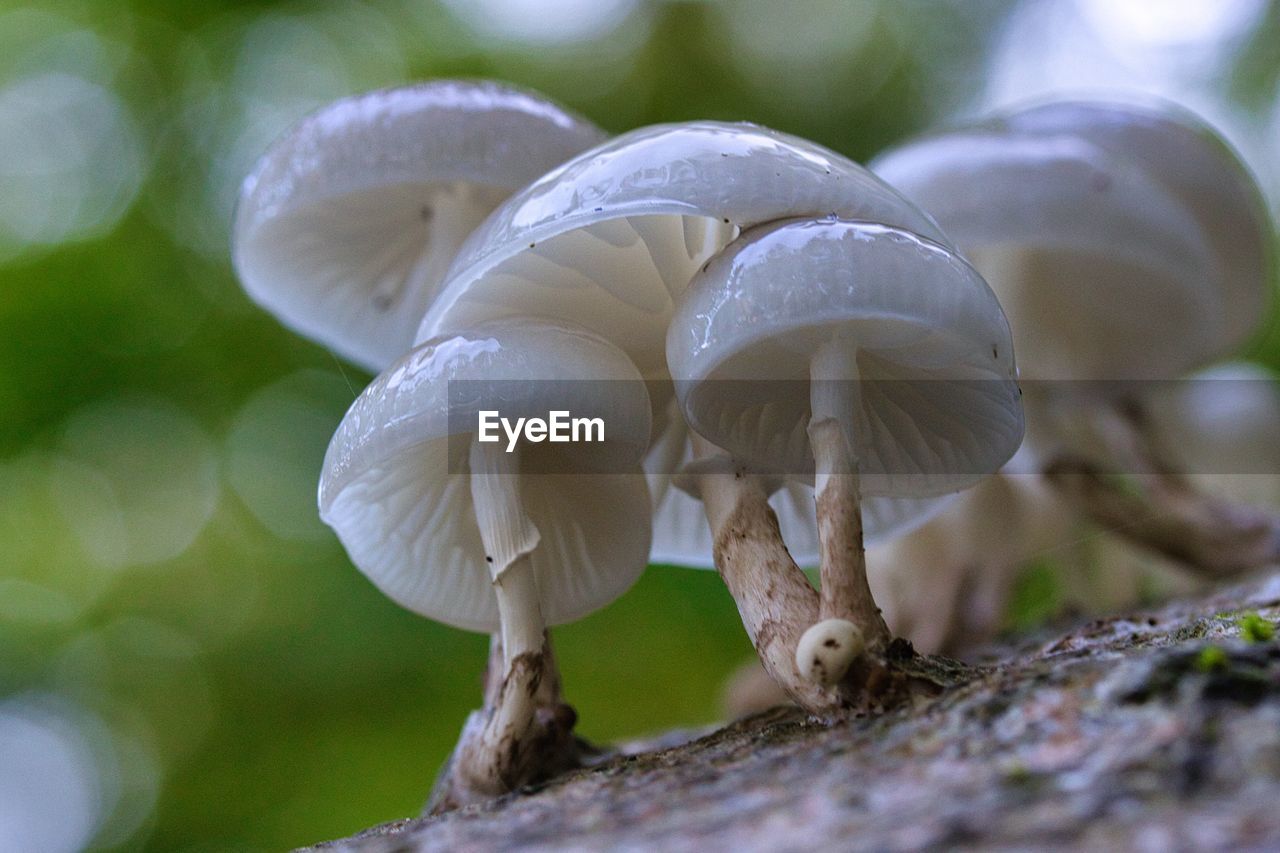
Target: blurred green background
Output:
[{"x": 187, "y": 659}]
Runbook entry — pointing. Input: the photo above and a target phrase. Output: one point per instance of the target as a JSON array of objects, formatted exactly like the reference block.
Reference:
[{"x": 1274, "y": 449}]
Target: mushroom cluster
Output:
[
  {"x": 789, "y": 360},
  {"x": 1129, "y": 247}
]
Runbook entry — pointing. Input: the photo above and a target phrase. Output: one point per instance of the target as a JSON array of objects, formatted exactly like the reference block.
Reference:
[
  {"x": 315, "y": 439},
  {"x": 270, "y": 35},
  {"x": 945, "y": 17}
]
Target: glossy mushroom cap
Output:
[
  {"x": 1123, "y": 242},
  {"x": 396, "y": 487},
  {"x": 346, "y": 227},
  {"x": 610, "y": 239},
  {"x": 940, "y": 406}
]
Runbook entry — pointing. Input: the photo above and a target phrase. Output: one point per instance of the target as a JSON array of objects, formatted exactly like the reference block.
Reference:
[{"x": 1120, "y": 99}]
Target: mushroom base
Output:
[
  {"x": 778, "y": 605},
  {"x": 492, "y": 759}
]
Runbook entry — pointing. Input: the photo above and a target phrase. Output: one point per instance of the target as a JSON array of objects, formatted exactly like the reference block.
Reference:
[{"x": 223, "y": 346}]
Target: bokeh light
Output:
[
  {"x": 70, "y": 161},
  {"x": 545, "y": 23},
  {"x": 141, "y": 484},
  {"x": 275, "y": 448},
  {"x": 1180, "y": 52},
  {"x": 845, "y": 60},
  {"x": 1172, "y": 25},
  {"x": 51, "y": 796}
]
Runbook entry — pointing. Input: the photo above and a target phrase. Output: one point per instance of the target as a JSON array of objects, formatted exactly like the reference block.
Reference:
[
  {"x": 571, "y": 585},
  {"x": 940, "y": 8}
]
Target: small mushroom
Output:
[
  {"x": 866, "y": 356},
  {"x": 486, "y": 538},
  {"x": 825, "y": 650},
  {"x": 346, "y": 226},
  {"x": 946, "y": 586},
  {"x": 1126, "y": 244}
]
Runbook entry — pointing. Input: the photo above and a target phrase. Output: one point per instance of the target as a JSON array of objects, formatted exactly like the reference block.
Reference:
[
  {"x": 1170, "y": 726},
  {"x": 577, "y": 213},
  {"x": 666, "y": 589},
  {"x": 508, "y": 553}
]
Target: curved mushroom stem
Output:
[
  {"x": 524, "y": 733},
  {"x": 1159, "y": 508},
  {"x": 1211, "y": 537},
  {"x": 774, "y": 597},
  {"x": 835, "y": 402}
]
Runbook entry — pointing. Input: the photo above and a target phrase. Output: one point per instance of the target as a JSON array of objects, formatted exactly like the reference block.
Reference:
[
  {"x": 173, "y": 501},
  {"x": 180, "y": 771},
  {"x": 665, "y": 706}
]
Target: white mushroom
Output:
[
  {"x": 484, "y": 538},
  {"x": 946, "y": 586},
  {"x": 611, "y": 239},
  {"x": 1105, "y": 271},
  {"x": 1198, "y": 167},
  {"x": 1126, "y": 244},
  {"x": 866, "y": 356},
  {"x": 346, "y": 226}
]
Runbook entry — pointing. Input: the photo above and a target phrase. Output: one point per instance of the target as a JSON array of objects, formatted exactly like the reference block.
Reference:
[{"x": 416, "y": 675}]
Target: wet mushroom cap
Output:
[
  {"x": 942, "y": 408},
  {"x": 611, "y": 239},
  {"x": 1094, "y": 226},
  {"x": 396, "y": 489},
  {"x": 346, "y": 227}
]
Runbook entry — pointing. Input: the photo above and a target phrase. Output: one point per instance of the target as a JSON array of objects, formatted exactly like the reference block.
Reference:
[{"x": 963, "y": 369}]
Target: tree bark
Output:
[{"x": 1153, "y": 730}]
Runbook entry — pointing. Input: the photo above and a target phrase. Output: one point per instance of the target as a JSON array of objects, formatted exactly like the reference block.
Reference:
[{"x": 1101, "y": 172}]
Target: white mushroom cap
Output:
[
  {"x": 396, "y": 490},
  {"x": 1199, "y": 166},
  {"x": 346, "y": 227},
  {"x": 1106, "y": 252},
  {"x": 610, "y": 239},
  {"x": 919, "y": 317},
  {"x": 826, "y": 649}
]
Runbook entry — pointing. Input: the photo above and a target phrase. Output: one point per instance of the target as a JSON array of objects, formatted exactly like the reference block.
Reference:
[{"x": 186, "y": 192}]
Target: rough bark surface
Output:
[{"x": 1157, "y": 730}]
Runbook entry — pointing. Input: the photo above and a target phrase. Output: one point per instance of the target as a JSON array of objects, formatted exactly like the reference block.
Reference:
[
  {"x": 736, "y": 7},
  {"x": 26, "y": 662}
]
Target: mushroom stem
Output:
[
  {"x": 1213, "y": 538},
  {"x": 836, "y": 404},
  {"x": 523, "y": 661},
  {"x": 774, "y": 597},
  {"x": 524, "y": 733},
  {"x": 549, "y": 689},
  {"x": 1136, "y": 492}
]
